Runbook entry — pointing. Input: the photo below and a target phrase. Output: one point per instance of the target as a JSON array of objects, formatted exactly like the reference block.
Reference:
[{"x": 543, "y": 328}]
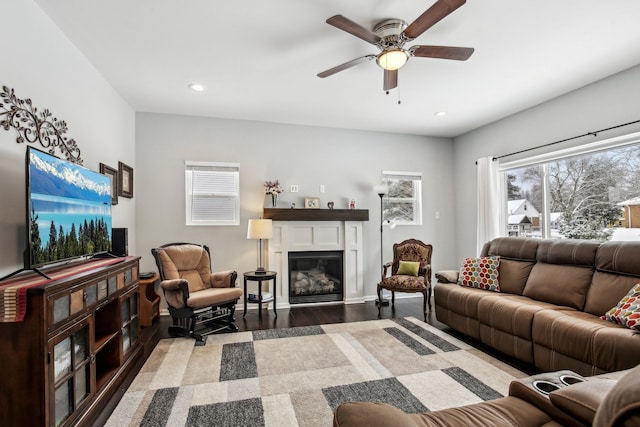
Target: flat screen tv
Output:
[{"x": 68, "y": 210}]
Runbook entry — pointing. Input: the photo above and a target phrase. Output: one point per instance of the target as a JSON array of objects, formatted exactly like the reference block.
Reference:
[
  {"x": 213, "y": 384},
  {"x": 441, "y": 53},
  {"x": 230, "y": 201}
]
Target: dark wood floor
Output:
[{"x": 325, "y": 314}]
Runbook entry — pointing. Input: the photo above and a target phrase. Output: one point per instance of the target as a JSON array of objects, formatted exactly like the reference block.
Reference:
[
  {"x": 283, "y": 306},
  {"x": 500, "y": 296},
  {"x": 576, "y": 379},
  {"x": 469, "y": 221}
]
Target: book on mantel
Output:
[{"x": 266, "y": 297}]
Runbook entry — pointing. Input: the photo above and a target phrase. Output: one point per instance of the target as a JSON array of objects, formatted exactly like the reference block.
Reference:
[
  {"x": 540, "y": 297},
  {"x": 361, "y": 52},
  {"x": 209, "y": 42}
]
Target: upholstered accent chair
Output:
[
  {"x": 199, "y": 301},
  {"x": 410, "y": 271}
]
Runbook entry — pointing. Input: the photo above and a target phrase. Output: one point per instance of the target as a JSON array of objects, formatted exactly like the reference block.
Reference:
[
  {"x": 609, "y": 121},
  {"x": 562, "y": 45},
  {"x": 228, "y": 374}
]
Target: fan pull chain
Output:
[{"x": 399, "y": 101}]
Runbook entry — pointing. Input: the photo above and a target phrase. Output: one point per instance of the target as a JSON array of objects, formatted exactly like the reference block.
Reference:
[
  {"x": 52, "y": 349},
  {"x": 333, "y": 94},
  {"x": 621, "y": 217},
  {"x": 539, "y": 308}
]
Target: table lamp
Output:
[{"x": 260, "y": 229}]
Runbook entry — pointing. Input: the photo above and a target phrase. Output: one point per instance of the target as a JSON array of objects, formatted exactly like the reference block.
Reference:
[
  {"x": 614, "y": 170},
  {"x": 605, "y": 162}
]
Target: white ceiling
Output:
[{"x": 259, "y": 58}]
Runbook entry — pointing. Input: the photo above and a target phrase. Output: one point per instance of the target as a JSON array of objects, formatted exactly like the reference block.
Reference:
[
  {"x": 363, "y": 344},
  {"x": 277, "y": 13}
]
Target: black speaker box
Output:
[{"x": 119, "y": 242}]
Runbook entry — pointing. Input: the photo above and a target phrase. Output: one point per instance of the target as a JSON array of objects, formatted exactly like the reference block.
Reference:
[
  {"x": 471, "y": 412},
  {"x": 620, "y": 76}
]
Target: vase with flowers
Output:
[{"x": 273, "y": 188}]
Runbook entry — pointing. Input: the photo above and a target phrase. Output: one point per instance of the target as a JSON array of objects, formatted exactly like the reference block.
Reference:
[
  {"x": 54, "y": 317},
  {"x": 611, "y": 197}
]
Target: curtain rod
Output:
[{"x": 595, "y": 133}]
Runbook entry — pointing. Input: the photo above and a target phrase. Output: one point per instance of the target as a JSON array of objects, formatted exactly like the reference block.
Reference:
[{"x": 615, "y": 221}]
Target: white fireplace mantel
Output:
[{"x": 343, "y": 236}]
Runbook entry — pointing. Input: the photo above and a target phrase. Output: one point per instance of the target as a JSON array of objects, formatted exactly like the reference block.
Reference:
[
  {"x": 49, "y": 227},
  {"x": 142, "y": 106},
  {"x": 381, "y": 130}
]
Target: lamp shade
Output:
[
  {"x": 260, "y": 229},
  {"x": 380, "y": 189}
]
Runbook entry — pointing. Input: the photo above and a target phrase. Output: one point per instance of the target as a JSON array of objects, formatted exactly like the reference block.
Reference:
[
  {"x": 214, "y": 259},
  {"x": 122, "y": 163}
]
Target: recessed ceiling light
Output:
[
  {"x": 197, "y": 87},
  {"x": 440, "y": 113}
]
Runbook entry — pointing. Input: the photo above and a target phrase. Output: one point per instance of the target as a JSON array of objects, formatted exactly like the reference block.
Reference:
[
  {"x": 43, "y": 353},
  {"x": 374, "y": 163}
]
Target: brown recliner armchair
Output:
[
  {"x": 410, "y": 271},
  {"x": 199, "y": 301}
]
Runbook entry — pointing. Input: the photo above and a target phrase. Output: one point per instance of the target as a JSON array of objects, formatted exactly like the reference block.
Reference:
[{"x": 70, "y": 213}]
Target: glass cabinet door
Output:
[
  {"x": 71, "y": 370},
  {"x": 129, "y": 321}
]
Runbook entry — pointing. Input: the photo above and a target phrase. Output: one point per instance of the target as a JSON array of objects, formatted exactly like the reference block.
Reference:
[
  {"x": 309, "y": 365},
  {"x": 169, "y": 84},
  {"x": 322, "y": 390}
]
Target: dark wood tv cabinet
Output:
[{"x": 79, "y": 340}]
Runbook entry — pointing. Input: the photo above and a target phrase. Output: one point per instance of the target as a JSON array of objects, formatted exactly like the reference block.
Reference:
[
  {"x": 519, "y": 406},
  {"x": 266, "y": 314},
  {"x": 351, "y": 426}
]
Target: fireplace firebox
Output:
[{"x": 315, "y": 276}]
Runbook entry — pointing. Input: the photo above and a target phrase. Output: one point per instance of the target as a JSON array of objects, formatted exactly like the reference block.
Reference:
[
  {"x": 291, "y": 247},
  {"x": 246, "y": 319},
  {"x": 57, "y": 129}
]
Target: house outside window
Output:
[
  {"x": 212, "y": 193},
  {"x": 590, "y": 195},
  {"x": 403, "y": 203}
]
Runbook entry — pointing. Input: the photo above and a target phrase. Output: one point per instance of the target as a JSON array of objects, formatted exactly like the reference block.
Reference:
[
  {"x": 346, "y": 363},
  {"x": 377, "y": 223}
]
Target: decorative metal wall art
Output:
[{"x": 33, "y": 125}]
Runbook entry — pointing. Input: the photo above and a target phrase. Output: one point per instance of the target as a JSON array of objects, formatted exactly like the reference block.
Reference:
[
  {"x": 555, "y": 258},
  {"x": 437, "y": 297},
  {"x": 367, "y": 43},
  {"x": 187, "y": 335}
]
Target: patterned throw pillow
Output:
[
  {"x": 480, "y": 273},
  {"x": 627, "y": 311}
]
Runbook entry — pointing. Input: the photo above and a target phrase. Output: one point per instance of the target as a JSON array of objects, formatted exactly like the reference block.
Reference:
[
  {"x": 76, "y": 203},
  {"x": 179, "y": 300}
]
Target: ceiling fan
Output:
[{"x": 390, "y": 37}]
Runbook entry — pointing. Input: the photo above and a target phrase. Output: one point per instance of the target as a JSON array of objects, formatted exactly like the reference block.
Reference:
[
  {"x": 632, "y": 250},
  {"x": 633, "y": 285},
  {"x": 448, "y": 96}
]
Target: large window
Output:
[
  {"x": 592, "y": 195},
  {"x": 212, "y": 193},
  {"x": 403, "y": 203}
]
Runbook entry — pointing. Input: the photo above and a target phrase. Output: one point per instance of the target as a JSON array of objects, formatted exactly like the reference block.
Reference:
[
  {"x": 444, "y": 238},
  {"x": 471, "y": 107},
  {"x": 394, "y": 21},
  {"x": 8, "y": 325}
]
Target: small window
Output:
[
  {"x": 403, "y": 203},
  {"x": 212, "y": 193}
]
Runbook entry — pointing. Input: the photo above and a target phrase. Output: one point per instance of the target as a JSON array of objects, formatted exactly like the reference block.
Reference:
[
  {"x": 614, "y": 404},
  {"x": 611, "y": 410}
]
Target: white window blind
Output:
[
  {"x": 212, "y": 193},
  {"x": 403, "y": 203}
]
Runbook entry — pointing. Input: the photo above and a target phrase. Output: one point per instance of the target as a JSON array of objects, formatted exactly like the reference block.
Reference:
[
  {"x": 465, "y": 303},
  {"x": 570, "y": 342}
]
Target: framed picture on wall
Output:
[
  {"x": 113, "y": 174},
  {"x": 125, "y": 175},
  {"x": 311, "y": 203}
]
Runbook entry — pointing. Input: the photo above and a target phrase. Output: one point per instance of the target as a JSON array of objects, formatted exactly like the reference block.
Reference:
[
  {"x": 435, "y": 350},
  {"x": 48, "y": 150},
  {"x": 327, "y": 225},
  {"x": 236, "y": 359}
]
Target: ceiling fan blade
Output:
[
  {"x": 341, "y": 67},
  {"x": 346, "y": 24},
  {"x": 431, "y": 16},
  {"x": 390, "y": 79},
  {"x": 442, "y": 52}
]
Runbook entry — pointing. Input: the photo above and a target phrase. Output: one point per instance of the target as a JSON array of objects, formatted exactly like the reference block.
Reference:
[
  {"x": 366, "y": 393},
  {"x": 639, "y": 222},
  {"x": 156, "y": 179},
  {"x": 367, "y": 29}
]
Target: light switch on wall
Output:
[
  {"x": 322, "y": 188},
  {"x": 437, "y": 214},
  {"x": 293, "y": 188}
]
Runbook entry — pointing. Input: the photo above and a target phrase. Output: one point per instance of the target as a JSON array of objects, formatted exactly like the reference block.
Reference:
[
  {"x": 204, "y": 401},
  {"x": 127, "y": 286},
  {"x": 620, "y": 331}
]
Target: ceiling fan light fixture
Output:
[{"x": 392, "y": 59}]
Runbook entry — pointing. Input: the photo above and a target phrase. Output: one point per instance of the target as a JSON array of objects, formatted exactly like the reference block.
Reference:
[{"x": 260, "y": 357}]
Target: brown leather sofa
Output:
[
  {"x": 552, "y": 294},
  {"x": 553, "y": 399}
]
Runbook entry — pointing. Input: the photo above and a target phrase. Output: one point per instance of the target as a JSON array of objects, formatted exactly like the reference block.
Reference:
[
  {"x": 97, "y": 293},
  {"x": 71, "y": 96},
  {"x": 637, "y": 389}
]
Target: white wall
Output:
[
  {"x": 40, "y": 63},
  {"x": 348, "y": 163},
  {"x": 606, "y": 103}
]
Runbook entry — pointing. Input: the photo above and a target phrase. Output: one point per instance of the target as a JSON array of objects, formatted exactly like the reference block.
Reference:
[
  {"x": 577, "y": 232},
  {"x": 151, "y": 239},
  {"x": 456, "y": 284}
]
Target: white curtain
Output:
[{"x": 491, "y": 198}]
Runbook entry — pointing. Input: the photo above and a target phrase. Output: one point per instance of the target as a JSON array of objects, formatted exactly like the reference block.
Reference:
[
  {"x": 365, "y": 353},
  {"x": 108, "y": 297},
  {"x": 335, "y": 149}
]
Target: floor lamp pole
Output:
[{"x": 382, "y": 301}]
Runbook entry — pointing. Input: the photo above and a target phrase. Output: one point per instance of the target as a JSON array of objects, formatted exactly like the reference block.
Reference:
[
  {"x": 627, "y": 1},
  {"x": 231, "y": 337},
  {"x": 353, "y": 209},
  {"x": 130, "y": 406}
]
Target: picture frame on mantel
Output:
[
  {"x": 125, "y": 183},
  {"x": 113, "y": 174},
  {"x": 312, "y": 203}
]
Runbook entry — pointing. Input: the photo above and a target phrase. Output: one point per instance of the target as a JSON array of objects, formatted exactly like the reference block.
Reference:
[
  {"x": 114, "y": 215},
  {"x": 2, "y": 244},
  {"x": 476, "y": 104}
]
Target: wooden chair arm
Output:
[
  {"x": 427, "y": 272},
  {"x": 385, "y": 269}
]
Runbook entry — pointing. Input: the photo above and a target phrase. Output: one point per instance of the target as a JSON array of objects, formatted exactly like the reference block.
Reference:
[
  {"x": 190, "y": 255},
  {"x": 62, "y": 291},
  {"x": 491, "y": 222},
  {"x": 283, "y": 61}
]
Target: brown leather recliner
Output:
[
  {"x": 199, "y": 301},
  {"x": 608, "y": 400}
]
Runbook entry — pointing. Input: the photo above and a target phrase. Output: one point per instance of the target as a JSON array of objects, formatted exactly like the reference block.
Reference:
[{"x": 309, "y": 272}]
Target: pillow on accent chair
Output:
[
  {"x": 409, "y": 268},
  {"x": 481, "y": 272},
  {"x": 627, "y": 311}
]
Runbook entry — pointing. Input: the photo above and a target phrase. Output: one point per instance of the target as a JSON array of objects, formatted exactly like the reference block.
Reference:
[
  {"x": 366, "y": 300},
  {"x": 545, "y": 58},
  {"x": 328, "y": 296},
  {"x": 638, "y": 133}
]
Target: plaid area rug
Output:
[{"x": 298, "y": 376}]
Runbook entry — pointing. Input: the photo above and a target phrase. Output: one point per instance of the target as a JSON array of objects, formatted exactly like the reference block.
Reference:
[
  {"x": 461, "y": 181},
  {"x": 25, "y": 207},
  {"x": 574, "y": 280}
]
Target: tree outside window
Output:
[
  {"x": 588, "y": 196},
  {"x": 403, "y": 202}
]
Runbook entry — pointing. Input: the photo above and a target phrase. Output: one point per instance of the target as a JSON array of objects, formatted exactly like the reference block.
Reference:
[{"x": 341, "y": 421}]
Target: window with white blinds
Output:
[{"x": 212, "y": 193}]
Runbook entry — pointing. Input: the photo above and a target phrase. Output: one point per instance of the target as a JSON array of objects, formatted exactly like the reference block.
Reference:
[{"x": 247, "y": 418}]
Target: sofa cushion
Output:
[
  {"x": 619, "y": 257},
  {"x": 606, "y": 290},
  {"x": 564, "y": 285},
  {"x": 568, "y": 252},
  {"x": 502, "y": 312},
  {"x": 581, "y": 400},
  {"x": 513, "y": 275},
  {"x": 481, "y": 272},
  {"x": 515, "y": 248},
  {"x": 627, "y": 312},
  {"x": 575, "y": 335},
  {"x": 457, "y": 306}
]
